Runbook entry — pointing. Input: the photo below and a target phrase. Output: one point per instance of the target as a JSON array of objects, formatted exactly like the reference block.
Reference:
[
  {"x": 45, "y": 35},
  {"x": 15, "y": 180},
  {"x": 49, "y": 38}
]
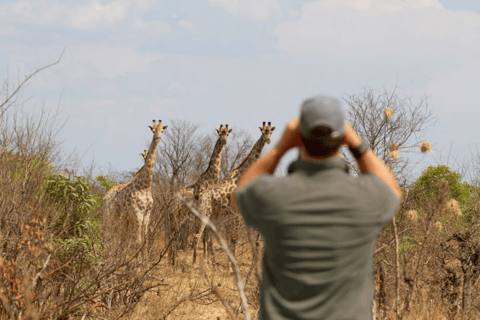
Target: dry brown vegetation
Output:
[{"x": 53, "y": 265}]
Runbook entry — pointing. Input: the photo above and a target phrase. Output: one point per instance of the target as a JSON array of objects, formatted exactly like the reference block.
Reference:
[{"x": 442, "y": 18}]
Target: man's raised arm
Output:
[{"x": 369, "y": 162}]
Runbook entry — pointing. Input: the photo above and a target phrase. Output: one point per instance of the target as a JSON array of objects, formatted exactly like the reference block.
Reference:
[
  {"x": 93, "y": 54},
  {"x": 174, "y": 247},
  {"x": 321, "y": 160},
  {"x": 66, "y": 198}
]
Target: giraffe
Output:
[
  {"x": 130, "y": 204},
  {"x": 208, "y": 178},
  {"x": 216, "y": 200}
]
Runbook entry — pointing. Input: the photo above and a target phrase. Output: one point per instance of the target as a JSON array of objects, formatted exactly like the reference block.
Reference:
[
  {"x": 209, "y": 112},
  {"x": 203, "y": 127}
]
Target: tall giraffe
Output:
[
  {"x": 130, "y": 204},
  {"x": 216, "y": 200},
  {"x": 207, "y": 179},
  {"x": 211, "y": 176}
]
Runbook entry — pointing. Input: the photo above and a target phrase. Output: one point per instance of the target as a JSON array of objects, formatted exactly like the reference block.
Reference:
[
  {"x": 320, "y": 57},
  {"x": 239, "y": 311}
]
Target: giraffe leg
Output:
[
  {"x": 234, "y": 237},
  {"x": 205, "y": 240},
  {"x": 205, "y": 206},
  {"x": 136, "y": 231},
  {"x": 209, "y": 245},
  {"x": 145, "y": 233},
  {"x": 199, "y": 237}
]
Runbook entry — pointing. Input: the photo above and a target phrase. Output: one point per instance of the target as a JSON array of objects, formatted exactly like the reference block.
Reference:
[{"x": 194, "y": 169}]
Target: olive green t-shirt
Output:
[{"x": 319, "y": 227}]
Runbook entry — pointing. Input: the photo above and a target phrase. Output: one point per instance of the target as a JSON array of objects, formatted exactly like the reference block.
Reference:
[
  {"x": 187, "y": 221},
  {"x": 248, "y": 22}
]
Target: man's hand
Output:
[
  {"x": 350, "y": 137},
  {"x": 291, "y": 137}
]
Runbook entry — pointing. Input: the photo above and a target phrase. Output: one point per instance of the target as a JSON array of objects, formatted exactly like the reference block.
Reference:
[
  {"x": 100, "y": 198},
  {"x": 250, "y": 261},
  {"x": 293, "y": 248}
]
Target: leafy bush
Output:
[
  {"x": 108, "y": 184},
  {"x": 77, "y": 229}
]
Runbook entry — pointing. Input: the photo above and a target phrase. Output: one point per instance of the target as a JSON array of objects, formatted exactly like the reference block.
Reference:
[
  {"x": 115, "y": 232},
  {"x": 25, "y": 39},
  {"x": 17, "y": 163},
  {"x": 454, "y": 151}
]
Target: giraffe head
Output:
[
  {"x": 223, "y": 132},
  {"x": 157, "y": 130},
  {"x": 267, "y": 131}
]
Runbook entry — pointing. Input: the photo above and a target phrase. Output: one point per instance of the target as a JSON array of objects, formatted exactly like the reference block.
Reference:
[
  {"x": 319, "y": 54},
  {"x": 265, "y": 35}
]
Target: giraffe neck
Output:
[
  {"x": 213, "y": 171},
  {"x": 252, "y": 157},
  {"x": 144, "y": 177}
]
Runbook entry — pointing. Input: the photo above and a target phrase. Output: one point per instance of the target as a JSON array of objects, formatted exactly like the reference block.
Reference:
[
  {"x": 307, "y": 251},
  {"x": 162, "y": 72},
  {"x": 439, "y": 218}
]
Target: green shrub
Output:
[
  {"x": 78, "y": 229},
  {"x": 108, "y": 184}
]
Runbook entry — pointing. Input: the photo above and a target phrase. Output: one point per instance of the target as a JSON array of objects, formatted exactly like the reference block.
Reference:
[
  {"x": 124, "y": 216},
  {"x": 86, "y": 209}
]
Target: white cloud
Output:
[
  {"x": 173, "y": 85},
  {"x": 258, "y": 9},
  {"x": 152, "y": 27},
  {"x": 188, "y": 25},
  {"x": 94, "y": 15},
  {"x": 455, "y": 94},
  {"x": 107, "y": 61},
  {"x": 430, "y": 50},
  {"x": 10, "y": 31},
  {"x": 359, "y": 30},
  {"x": 85, "y": 16}
]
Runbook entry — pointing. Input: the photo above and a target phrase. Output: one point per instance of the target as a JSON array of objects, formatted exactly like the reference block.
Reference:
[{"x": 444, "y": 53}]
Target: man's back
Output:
[{"x": 319, "y": 227}]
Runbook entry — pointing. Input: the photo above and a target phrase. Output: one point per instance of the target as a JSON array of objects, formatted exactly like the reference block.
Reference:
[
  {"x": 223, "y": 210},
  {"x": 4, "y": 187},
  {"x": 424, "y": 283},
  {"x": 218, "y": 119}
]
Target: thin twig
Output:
[
  {"x": 397, "y": 269},
  {"x": 34, "y": 282},
  {"x": 26, "y": 80}
]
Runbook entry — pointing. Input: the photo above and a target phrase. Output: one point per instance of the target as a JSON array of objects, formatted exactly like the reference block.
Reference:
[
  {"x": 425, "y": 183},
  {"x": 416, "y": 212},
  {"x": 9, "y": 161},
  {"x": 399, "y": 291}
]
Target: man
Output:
[{"x": 319, "y": 224}]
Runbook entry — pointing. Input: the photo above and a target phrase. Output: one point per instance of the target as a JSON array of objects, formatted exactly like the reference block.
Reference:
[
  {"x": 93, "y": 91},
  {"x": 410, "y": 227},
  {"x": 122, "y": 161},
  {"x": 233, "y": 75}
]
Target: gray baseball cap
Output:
[{"x": 322, "y": 111}]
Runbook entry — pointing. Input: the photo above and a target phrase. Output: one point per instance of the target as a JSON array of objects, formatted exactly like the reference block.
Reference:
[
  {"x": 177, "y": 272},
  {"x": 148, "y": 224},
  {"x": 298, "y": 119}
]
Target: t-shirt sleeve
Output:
[
  {"x": 384, "y": 196},
  {"x": 248, "y": 200}
]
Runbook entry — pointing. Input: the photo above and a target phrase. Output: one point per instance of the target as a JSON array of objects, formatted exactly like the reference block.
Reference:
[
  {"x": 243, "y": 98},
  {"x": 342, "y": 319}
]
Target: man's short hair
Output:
[{"x": 319, "y": 143}]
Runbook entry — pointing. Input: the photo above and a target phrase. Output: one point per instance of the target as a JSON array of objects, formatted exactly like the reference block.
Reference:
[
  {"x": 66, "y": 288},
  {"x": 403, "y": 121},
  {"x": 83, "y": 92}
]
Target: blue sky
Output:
[{"x": 213, "y": 62}]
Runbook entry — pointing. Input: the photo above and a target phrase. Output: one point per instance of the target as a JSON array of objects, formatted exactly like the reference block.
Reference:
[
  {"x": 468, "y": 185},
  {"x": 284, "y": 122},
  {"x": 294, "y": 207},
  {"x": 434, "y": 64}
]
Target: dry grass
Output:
[
  {"x": 193, "y": 294},
  {"x": 412, "y": 215},
  {"x": 454, "y": 208}
]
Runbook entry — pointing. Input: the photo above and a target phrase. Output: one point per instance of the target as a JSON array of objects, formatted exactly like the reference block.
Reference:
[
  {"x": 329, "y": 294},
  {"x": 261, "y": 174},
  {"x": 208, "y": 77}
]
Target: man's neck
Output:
[{"x": 305, "y": 156}]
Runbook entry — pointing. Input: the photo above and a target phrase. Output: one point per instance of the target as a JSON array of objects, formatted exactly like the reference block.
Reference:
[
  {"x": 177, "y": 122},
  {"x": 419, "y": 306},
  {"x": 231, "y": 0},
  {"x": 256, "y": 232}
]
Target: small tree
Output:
[
  {"x": 175, "y": 156},
  {"x": 389, "y": 123},
  {"x": 427, "y": 185}
]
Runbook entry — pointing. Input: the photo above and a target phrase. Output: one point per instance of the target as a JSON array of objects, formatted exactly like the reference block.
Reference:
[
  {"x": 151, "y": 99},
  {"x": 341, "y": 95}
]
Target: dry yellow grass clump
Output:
[
  {"x": 388, "y": 112},
  {"x": 426, "y": 147},
  {"x": 454, "y": 207},
  {"x": 412, "y": 215},
  {"x": 438, "y": 225}
]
